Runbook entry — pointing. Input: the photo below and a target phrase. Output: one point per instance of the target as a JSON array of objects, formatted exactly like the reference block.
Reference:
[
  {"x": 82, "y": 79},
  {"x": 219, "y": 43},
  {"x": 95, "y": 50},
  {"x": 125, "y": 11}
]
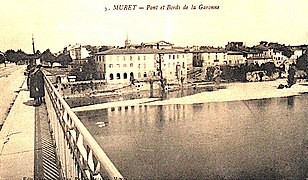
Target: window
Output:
[
  {"x": 170, "y": 57},
  {"x": 145, "y": 66},
  {"x": 118, "y": 76},
  {"x": 123, "y": 58},
  {"x": 138, "y": 57},
  {"x": 111, "y": 76},
  {"x": 118, "y": 65},
  {"x": 110, "y": 65},
  {"x": 144, "y": 58},
  {"x": 177, "y": 56},
  {"x": 173, "y": 56},
  {"x": 183, "y": 65},
  {"x": 131, "y": 75},
  {"x": 131, "y": 65},
  {"x": 139, "y": 75},
  {"x": 138, "y": 66},
  {"x": 145, "y": 74},
  {"x": 125, "y": 75},
  {"x": 130, "y": 57},
  {"x": 124, "y": 65}
]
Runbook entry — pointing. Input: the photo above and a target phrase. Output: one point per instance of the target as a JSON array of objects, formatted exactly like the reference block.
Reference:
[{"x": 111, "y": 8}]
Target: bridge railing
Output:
[{"x": 80, "y": 156}]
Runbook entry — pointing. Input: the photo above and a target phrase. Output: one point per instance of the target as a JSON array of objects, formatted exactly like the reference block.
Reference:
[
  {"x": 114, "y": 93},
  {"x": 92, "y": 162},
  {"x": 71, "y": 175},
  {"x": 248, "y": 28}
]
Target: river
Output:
[{"x": 253, "y": 139}]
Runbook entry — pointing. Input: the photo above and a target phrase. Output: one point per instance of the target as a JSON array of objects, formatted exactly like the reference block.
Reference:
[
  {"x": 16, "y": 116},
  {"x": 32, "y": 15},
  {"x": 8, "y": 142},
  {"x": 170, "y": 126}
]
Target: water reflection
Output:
[
  {"x": 291, "y": 101},
  {"x": 257, "y": 139}
]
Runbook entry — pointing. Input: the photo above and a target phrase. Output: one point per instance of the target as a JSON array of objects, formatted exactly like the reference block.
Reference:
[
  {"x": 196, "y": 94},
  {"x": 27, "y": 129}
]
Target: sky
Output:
[{"x": 57, "y": 23}]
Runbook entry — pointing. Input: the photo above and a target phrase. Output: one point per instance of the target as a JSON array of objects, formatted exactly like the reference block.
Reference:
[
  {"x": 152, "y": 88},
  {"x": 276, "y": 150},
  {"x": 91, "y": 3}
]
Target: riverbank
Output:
[
  {"x": 230, "y": 92},
  {"x": 241, "y": 91}
]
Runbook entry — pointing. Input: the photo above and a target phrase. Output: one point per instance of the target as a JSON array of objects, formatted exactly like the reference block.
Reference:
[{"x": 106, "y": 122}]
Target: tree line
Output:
[{"x": 20, "y": 56}]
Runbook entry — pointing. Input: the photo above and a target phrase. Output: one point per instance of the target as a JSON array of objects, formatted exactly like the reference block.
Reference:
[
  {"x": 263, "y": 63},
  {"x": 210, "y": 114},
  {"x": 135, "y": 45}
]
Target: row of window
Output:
[
  {"x": 175, "y": 56},
  {"x": 139, "y": 65},
  {"x": 131, "y": 75},
  {"x": 130, "y": 65},
  {"x": 124, "y": 58}
]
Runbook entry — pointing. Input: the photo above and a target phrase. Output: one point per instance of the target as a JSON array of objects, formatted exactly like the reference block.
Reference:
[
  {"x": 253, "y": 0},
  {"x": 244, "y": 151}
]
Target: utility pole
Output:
[{"x": 161, "y": 79}]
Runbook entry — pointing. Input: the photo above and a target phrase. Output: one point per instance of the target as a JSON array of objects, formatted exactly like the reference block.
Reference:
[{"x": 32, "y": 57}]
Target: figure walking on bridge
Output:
[{"x": 37, "y": 85}]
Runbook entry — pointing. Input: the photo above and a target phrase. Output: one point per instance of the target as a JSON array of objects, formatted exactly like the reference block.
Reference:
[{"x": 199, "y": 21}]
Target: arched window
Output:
[
  {"x": 139, "y": 75},
  {"x": 131, "y": 76},
  {"x": 125, "y": 75},
  {"x": 118, "y": 76},
  {"x": 111, "y": 76}
]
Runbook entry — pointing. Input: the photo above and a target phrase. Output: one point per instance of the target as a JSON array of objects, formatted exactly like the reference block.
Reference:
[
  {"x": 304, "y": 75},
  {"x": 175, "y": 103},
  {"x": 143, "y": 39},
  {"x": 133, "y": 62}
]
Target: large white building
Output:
[{"x": 119, "y": 66}]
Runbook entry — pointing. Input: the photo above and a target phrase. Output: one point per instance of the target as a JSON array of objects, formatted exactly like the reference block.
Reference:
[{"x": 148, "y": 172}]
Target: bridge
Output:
[{"x": 49, "y": 142}]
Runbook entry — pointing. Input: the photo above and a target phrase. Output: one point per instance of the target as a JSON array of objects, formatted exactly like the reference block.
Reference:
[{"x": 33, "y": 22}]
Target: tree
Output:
[
  {"x": 64, "y": 59},
  {"x": 2, "y": 58},
  {"x": 11, "y": 55},
  {"x": 88, "y": 71},
  {"x": 287, "y": 52},
  {"x": 48, "y": 57},
  {"x": 14, "y": 57},
  {"x": 302, "y": 62},
  {"x": 270, "y": 68}
]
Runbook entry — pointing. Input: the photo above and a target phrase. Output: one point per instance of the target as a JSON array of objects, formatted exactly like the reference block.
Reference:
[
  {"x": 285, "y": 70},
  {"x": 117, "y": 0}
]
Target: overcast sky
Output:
[{"x": 58, "y": 23}]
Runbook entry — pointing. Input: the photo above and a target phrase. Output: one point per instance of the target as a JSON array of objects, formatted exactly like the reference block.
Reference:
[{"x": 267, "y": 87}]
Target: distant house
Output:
[
  {"x": 235, "y": 58},
  {"x": 78, "y": 53},
  {"x": 214, "y": 56},
  {"x": 258, "y": 57}
]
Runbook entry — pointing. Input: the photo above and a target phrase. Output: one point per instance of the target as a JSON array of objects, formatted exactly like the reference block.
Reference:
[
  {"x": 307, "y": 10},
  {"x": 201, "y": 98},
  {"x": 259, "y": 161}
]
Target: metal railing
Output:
[{"x": 80, "y": 156}]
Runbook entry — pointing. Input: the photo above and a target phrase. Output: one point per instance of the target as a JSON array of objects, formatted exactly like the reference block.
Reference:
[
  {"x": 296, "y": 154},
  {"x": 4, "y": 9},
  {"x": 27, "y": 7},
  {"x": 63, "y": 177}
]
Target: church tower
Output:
[{"x": 127, "y": 41}]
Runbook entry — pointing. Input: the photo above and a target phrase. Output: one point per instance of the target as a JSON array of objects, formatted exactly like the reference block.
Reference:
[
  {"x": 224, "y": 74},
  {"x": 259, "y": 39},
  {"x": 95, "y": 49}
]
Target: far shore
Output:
[{"x": 232, "y": 92}]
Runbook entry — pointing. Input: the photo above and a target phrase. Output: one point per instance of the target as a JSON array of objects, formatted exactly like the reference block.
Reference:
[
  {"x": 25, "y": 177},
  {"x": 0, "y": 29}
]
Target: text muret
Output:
[{"x": 124, "y": 7}]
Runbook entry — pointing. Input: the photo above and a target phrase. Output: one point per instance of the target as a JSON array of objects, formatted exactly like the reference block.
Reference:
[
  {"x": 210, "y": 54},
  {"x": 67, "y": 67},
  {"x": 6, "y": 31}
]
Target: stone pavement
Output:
[
  {"x": 17, "y": 140},
  {"x": 27, "y": 150}
]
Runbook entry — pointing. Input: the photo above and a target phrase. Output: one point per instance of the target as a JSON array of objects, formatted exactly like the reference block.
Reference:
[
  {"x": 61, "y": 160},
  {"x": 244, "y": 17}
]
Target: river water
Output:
[{"x": 255, "y": 139}]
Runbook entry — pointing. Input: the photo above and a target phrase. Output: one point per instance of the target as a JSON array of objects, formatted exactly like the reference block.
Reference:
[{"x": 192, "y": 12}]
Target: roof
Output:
[
  {"x": 211, "y": 50},
  {"x": 138, "y": 51},
  {"x": 234, "y": 53},
  {"x": 158, "y": 42}
]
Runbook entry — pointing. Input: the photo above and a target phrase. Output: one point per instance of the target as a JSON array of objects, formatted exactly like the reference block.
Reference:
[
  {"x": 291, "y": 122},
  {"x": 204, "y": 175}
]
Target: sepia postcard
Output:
[{"x": 166, "y": 89}]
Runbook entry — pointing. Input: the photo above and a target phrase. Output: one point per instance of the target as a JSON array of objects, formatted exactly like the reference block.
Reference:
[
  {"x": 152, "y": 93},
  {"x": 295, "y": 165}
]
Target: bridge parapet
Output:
[{"x": 80, "y": 156}]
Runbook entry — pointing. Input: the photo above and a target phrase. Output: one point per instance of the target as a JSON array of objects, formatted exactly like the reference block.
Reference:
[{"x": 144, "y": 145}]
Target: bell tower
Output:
[{"x": 127, "y": 41}]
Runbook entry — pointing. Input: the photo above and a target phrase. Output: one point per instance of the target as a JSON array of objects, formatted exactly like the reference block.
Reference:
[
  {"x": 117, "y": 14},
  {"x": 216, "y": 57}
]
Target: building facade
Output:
[
  {"x": 118, "y": 66},
  {"x": 78, "y": 53}
]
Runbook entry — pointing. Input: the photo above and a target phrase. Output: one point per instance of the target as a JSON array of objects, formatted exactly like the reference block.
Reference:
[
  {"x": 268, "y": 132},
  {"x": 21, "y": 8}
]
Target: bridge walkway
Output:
[{"x": 27, "y": 150}]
